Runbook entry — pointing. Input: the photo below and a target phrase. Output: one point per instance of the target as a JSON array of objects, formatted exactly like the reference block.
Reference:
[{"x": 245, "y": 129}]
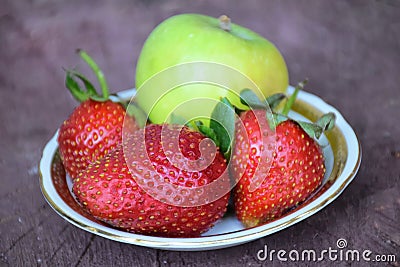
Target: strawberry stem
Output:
[
  {"x": 293, "y": 97},
  {"x": 97, "y": 71}
]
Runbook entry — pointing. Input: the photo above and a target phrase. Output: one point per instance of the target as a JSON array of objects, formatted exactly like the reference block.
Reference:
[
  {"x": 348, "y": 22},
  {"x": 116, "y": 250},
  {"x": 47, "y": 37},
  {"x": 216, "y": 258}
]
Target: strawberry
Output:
[
  {"x": 94, "y": 128},
  {"x": 293, "y": 171},
  {"x": 112, "y": 189}
]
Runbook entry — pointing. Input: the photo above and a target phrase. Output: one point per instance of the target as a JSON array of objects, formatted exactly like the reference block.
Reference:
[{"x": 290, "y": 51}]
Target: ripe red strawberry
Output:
[
  {"x": 112, "y": 191},
  {"x": 94, "y": 128},
  {"x": 296, "y": 170}
]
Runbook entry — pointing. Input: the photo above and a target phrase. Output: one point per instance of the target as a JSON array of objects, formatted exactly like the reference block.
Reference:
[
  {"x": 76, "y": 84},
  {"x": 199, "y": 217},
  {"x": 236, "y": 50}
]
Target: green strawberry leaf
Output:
[
  {"x": 227, "y": 154},
  {"x": 313, "y": 130},
  {"x": 324, "y": 123},
  {"x": 88, "y": 85},
  {"x": 270, "y": 119},
  {"x": 275, "y": 99},
  {"x": 74, "y": 88},
  {"x": 250, "y": 99},
  {"x": 77, "y": 91},
  {"x": 223, "y": 124},
  {"x": 327, "y": 121},
  {"x": 274, "y": 119},
  {"x": 176, "y": 119},
  {"x": 207, "y": 131}
]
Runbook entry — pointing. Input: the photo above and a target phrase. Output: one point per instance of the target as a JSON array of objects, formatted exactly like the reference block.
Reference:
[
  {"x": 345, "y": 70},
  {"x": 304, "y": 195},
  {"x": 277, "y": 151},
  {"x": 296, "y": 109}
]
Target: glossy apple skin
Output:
[{"x": 192, "y": 37}]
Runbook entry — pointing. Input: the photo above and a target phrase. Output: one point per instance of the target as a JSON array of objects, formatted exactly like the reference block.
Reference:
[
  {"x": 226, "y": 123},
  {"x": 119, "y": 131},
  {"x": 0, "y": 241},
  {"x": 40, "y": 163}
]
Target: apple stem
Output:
[{"x": 225, "y": 23}]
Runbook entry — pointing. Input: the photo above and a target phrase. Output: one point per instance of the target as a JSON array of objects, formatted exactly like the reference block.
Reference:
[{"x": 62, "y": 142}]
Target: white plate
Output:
[{"x": 341, "y": 150}]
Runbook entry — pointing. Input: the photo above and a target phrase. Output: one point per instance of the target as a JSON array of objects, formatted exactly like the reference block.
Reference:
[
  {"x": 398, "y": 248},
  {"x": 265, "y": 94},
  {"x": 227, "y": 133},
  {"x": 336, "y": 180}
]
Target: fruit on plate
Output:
[
  {"x": 95, "y": 127},
  {"x": 109, "y": 191},
  {"x": 296, "y": 167},
  {"x": 197, "y": 38}
]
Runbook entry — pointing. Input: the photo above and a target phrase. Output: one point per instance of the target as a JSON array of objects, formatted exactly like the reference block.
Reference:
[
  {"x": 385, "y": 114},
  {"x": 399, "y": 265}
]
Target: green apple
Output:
[{"x": 191, "y": 38}]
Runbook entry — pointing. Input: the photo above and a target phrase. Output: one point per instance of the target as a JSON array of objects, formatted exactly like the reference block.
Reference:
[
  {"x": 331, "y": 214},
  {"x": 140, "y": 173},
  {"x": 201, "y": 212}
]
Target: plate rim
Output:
[{"x": 350, "y": 169}]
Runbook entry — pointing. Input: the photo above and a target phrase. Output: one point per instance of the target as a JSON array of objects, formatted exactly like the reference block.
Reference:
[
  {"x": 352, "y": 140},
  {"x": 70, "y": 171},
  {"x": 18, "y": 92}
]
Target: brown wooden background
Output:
[{"x": 350, "y": 51}]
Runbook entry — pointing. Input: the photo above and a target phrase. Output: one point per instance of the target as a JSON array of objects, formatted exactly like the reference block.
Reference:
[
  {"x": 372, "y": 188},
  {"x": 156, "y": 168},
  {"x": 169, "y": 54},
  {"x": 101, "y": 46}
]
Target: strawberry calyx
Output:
[
  {"x": 221, "y": 129},
  {"x": 274, "y": 118},
  {"x": 222, "y": 122},
  {"x": 250, "y": 99},
  {"x": 222, "y": 126},
  {"x": 73, "y": 78}
]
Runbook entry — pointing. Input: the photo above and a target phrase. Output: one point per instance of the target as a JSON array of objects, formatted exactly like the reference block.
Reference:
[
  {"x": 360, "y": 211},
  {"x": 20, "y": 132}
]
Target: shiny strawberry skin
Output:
[
  {"x": 92, "y": 130},
  {"x": 296, "y": 171},
  {"x": 108, "y": 191}
]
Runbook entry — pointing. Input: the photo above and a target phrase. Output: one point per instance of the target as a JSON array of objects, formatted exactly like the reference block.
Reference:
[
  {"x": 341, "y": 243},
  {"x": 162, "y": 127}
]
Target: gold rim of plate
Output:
[{"x": 339, "y": 147}]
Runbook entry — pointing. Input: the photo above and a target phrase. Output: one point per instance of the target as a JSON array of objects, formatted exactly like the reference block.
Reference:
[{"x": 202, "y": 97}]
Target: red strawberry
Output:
[
  {"x": 112, "y": 191},
  {"x": 93, "y": 129},
  {"x": 91, "y": 132},
  {"x": 296, "y": 171}
]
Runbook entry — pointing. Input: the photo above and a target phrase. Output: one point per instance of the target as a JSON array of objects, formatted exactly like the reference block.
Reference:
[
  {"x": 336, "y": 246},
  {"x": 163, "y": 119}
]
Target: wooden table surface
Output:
[{"x": 350, "y": 51}]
